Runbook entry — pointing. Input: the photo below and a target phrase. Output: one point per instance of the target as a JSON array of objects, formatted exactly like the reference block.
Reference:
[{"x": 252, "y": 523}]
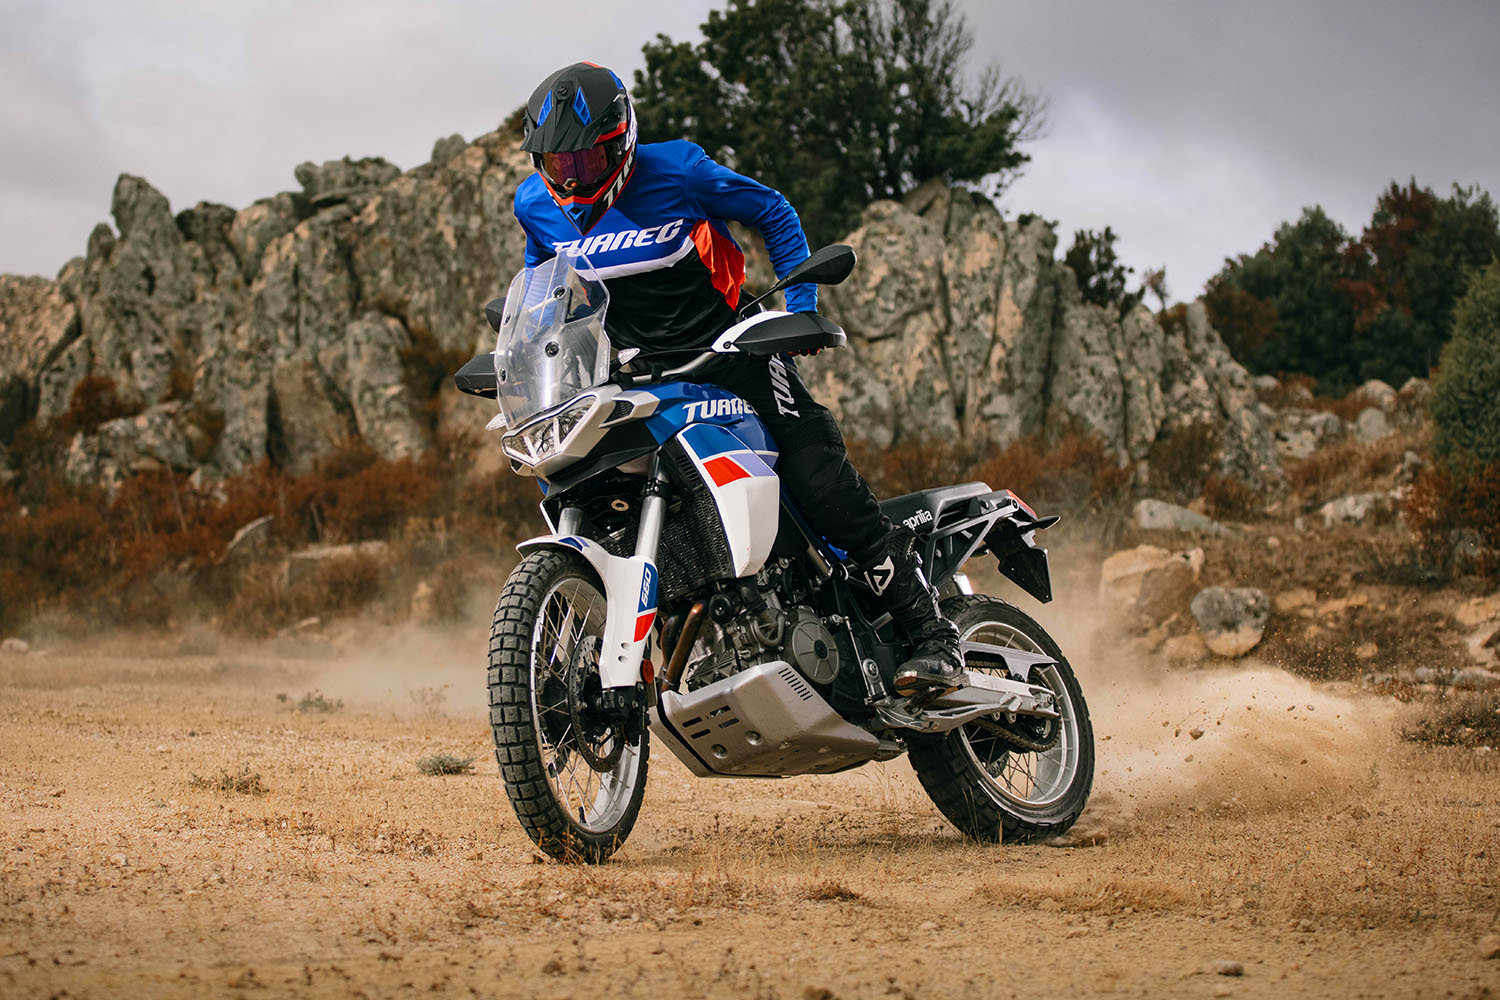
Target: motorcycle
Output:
[{"x": 680, "y": 597}]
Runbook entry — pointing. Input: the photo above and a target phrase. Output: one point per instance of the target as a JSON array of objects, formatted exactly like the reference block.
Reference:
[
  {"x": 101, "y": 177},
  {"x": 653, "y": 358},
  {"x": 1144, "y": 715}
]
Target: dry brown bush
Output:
[
  {"x": 1182, "y": 459},
  {"x": 151, "y": 554},
  {"x": 1456, "y": 497},
  {"x": 1229, "y": 499},
  {"x": 1469, "y": 720}
]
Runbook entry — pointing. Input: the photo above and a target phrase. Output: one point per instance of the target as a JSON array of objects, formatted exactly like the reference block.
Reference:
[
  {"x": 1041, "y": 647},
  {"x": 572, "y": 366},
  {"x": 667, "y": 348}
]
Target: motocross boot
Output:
[{"x": 892, "y": 570}]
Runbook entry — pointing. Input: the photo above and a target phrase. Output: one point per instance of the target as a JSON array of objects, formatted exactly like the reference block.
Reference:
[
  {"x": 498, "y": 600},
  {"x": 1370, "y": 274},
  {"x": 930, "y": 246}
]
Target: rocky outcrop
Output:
[
  {"x": 279, "y": 330},
  {"x": 288, "y": 327},
  {"x": 963, "y": 324}
]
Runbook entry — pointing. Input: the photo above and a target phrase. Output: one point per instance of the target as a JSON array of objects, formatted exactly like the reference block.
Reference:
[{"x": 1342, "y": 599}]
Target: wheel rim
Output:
[
  {"x": 572, "y": 613},
  {"x": 1021, "y": 780}
]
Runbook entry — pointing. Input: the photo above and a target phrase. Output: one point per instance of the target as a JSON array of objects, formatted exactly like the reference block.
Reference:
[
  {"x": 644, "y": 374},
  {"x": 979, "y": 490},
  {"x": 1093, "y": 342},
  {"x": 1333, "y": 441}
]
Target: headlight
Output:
[{"x": 543, "y": 438}]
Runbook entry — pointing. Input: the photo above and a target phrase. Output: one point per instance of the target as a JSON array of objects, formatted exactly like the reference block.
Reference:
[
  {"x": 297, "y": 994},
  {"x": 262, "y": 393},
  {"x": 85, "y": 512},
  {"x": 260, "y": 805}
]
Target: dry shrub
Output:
[
  {"x": 1469, "y": 720},
  {"x": 1290, "y": 391},
  {"x": 445, "y": 763},
  {"x": 1076, "y": 475},
  {"x": 426, "y": 367},
  {"x": 152, "y": 553},
  {"x": 1229, "y": 499},
  {"x": 1457, "y": 497},
  {"x": 831, "y": 890},
  {"x": 912, "y": 466},
  {"x": 95, "y": 401},
  {"x": 241, "y": 782},
  {"x": 314, "y": 701},
  {"x": 1182, "y": 459}
]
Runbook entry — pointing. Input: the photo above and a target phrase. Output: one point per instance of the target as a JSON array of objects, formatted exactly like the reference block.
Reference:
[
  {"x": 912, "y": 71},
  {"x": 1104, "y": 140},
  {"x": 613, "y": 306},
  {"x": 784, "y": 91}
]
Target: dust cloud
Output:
[
  {"x": 411, "y": 669},
  {"x": 1237, "y": 735}
]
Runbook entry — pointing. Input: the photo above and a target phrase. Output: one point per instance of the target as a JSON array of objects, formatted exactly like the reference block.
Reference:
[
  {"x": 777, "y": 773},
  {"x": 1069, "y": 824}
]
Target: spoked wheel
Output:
[
  {"x": 574, "y": 779},
  {"x": 1021, "y": 779}
]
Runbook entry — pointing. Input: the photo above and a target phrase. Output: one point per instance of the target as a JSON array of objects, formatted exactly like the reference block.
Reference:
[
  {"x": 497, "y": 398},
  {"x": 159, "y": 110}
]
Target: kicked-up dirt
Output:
[{"x": 248, "y": 825}]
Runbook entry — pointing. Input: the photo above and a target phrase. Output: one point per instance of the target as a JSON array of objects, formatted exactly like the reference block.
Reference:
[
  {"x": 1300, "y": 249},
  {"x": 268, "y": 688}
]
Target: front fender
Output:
[{"x": 630, "y": 593}]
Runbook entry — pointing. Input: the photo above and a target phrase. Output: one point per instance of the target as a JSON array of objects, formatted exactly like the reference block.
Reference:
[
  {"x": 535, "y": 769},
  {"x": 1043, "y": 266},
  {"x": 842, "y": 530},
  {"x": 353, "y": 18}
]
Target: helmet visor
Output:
[{"x": 580, "y": 171}]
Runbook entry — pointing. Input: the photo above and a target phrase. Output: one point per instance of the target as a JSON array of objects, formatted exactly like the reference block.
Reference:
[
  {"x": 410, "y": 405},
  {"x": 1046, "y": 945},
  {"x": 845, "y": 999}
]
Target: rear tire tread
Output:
[{"x": 946, "y": 773}]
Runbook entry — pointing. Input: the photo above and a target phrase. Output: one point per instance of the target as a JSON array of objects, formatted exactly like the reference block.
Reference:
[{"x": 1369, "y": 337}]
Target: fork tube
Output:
[
  {"x": 653, "y": 510},
  {"x": 569, "y": 520}
]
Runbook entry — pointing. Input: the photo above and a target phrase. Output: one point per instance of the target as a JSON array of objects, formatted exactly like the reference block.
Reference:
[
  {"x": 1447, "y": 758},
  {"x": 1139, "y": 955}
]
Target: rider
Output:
[{"x": 650, "y": 219}]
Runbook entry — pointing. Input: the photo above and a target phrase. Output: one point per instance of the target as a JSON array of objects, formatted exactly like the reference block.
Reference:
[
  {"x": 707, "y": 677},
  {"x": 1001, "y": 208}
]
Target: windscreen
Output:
[{"x": 552, "y": 344}]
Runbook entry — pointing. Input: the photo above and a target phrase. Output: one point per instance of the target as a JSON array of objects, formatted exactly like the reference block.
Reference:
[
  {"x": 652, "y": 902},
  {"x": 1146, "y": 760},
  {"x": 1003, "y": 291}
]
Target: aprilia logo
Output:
[
  {"x": 708, "y": 408},
  {"x": 607, "y": 242},
  {"x": 921, "y": 517}
]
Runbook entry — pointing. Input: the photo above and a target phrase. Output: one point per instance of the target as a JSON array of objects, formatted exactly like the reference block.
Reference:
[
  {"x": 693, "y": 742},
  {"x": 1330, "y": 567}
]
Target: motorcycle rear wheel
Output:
[
  {"x": 992, "y": 791},
  {"x": 575, "y": 784}
]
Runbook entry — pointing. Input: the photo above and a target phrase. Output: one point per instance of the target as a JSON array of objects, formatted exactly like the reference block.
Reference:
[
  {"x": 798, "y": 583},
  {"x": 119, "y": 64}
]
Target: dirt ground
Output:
[{"x": 1294, "y": 837}]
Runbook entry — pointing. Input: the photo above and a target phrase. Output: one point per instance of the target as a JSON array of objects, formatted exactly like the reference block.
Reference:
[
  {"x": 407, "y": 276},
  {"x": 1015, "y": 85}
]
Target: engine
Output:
[{"x": 751, "y": 627}]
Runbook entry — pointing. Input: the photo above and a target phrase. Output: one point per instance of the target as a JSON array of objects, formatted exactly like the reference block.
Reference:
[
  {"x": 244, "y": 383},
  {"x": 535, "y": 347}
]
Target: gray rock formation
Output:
[
  {"x": 962, "y": 324},
  {"x": 279, "y": 330},
  {"x": 289, "y": 326}
]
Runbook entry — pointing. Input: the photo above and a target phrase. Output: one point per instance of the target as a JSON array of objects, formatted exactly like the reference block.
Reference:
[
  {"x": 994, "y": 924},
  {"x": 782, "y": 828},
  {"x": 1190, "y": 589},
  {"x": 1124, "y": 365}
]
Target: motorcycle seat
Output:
[{"x": 921, "y": 510}]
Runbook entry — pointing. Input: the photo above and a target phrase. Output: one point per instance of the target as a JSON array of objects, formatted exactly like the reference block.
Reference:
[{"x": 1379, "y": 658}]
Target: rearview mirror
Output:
[{"x": 827, "y": 266}]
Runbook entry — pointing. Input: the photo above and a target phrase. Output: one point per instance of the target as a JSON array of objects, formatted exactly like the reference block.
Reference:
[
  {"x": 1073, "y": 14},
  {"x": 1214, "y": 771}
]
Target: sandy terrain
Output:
[{"x": 1295, "y": 837}]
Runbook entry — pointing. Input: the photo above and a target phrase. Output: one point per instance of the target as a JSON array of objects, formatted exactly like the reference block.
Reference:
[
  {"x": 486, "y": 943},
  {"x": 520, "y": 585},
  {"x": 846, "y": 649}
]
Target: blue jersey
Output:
[{"x": 673, "y": 271}]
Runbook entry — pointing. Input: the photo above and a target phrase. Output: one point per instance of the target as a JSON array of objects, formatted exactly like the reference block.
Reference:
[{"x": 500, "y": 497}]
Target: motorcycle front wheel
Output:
[
  {"x": 574, "y": 780},
  {"x": 982, "y": 779}
]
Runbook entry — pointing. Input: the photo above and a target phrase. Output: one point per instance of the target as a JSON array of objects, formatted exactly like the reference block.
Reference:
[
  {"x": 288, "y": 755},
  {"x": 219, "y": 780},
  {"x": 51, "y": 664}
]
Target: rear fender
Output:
[
  {"x": 1001, "y": 523},
  {"x": 630, "y": 590}
]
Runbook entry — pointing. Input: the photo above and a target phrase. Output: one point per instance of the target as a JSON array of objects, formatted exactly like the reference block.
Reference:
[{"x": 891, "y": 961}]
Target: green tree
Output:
[
  {"x": 1319, "y": 302},
  {"x": 1465, "y": 400},
  {"x": 838, "y": 102},
  {"x": 1101, "y": 276},
  {"x": 1278, "y": 309}
]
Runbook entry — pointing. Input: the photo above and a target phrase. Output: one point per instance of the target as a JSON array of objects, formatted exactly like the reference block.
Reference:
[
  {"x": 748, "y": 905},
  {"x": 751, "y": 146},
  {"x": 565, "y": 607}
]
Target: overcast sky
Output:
[{"x": 1191, "y": 127}]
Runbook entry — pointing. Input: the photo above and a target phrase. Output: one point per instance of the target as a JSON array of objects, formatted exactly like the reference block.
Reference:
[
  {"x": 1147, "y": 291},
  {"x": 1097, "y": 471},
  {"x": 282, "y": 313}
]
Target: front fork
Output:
[{"x": 630, "y": 583}]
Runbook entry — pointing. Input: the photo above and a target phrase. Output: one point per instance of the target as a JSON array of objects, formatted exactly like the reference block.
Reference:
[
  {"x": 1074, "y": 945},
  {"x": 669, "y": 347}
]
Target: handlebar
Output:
[{"x": 656, "y": 374}]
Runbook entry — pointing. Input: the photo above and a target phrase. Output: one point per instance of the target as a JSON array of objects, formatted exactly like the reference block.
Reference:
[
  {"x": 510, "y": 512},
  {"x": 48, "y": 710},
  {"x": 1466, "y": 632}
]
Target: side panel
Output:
[
  {"x": 745, "y": 489},
  {"x": 630, "y": 590}
]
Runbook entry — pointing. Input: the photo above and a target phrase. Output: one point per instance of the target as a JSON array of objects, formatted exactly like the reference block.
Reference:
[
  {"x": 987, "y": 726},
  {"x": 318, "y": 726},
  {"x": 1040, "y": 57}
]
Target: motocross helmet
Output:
[{"x": 580, "y": 131}]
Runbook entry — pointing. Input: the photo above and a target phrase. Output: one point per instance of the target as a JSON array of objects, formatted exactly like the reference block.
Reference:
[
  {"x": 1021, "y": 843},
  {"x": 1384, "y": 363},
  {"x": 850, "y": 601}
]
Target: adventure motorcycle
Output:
[{"x": 681, "y": 596}]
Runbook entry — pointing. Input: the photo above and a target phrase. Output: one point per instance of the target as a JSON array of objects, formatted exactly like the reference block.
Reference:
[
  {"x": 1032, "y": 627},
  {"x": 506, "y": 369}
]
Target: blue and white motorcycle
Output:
[{"x": 679, "y": 596}]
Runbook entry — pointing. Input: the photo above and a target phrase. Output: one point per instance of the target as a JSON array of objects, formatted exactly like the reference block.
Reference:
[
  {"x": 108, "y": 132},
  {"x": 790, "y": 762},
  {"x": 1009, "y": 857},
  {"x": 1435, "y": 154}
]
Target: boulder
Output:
[
  {"x": 1189, "y": 648},
  {"x": 1358, "y": 508},
  {"x": 1299, "y": 433},
  {"x": 1148, "y": 579},
  {"x": 1377, "y": 394},
  {"x": 1158, "y": 515},
  {"x": 1371, "y": 425},
  {"x": 20, "y": 647},
  {"x": 1232, "y": 620}
]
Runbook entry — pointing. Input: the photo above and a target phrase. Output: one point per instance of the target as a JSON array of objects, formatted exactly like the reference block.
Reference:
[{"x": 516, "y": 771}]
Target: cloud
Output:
[{"x": 1193, "y": 128}]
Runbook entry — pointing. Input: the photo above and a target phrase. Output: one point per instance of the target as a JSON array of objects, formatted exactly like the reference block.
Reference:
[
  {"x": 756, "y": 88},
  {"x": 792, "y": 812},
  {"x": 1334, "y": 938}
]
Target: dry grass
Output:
[
  {"x": 1465, "y": 720},
  {"x": 445, "y": 763},
  {"x": 834, "y": 891},
  {"x": 241, "y": 782},
  {"x": 153, "y": 553}
]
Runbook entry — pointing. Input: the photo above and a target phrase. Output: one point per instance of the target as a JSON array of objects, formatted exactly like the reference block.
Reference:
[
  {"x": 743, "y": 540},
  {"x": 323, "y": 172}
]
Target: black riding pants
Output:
[{"x": 814, "y": 466}]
